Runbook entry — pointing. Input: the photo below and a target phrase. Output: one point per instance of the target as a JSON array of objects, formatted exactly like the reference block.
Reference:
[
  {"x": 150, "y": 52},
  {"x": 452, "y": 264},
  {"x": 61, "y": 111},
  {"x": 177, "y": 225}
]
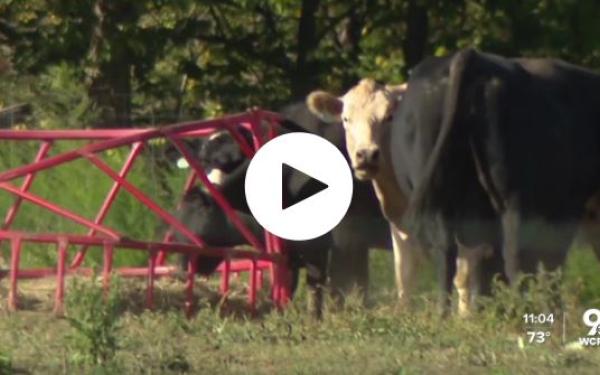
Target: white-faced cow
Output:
[
  {"x": 500, "y": 153},
  {"x": 362, "y": 228},
  {"x": 366, "y": 112}
]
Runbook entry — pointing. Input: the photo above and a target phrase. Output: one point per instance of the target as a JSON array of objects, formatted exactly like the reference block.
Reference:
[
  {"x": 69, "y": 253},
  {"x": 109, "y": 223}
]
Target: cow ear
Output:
[
  {"x": 326, "y": 106},
  {"x": 397, "y": 91}
]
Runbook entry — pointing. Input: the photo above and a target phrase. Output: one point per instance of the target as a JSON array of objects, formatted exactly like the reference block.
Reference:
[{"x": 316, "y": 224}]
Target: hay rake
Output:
[{"x": 264, "y": 255}]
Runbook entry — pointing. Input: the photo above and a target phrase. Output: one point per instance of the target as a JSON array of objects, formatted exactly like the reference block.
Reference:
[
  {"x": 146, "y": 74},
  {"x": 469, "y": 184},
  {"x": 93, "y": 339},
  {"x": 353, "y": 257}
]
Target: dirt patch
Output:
[{"x": 38, "y": 295}]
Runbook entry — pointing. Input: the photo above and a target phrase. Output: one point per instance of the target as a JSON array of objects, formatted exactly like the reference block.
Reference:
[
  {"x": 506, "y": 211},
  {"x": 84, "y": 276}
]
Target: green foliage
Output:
[
  {"x": 543, "y": 292},
  {"x": 6, "y": 367},
  {"x": 61, "y": 99},
  {"x": 58, "y": 97},
  {"x": 582, "y": 273},
  {"x": 93, "y": 316},
  {"x": 157, "y": 61}
]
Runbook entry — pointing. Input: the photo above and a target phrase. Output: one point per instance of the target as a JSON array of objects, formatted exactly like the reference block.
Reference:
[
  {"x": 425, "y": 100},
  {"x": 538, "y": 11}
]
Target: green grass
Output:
[
  {"x": 80, "y": 187},
  {"x": 224, "y": 337}
]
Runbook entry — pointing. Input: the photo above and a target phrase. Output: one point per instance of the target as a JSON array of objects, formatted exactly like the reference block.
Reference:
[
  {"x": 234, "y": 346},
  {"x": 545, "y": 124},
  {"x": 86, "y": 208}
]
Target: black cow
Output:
[
  {"x": 202, "y": 214},
  {"x": 510, "y": 144}
]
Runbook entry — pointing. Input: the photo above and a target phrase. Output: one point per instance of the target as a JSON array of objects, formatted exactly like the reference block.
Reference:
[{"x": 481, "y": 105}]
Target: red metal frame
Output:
[{"x": 267, "y": 255}]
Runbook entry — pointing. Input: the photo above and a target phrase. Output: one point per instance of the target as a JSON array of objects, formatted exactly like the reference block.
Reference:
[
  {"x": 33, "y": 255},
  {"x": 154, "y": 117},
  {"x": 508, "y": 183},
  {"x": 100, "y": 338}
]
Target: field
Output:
[{"x": 120, "y": 337}]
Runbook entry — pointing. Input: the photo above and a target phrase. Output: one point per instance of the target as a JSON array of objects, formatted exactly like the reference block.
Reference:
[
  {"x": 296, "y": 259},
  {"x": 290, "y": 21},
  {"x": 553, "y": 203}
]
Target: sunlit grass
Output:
[{"x": 224, "y": 336}]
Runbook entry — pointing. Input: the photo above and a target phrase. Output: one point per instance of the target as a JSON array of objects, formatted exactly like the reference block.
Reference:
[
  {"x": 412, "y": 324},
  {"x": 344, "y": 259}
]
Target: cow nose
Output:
[
  {"x": 368, "y": 156},
  {"x": 374, "y": 157}
]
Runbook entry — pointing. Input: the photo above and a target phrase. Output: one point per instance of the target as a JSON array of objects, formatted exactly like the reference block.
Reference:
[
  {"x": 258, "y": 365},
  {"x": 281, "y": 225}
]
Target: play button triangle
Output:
[
  {"x": 298, "y": 186},
  {"x": 311, "y": 187}
]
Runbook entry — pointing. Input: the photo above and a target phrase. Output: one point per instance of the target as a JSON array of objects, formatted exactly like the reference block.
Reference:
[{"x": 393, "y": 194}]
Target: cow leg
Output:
[
  {"x": 316, "y": 277},
  {"x": 510, "y": 235},
  {"x": 349, "y": 266},
  {"x": 545, "y": 242},
  {"x": 446, "y": 263},
  {"x": 467, "y": 280},
  {"x": 590, "y": 226},
  {"x": 461, "y": 283},
  {"x": 405, "y": 266},
  {"x": 349, "y": 270},
  {"x": 294, "y": 264}
]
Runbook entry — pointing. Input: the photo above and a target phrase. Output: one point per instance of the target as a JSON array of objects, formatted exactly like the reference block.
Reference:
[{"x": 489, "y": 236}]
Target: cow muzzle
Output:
[{"x": 366, "y": 163}]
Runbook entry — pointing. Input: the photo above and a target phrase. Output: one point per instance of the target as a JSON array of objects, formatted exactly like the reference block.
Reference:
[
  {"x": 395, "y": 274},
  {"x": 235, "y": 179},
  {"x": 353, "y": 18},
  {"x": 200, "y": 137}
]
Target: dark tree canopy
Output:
[{"x": 115, "y": 62}]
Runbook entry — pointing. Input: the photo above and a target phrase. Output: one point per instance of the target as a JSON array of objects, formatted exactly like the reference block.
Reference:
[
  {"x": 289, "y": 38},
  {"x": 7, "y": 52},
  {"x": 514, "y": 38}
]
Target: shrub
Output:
[
  {"x": 542, "y": 292},
  {"x": 5, "y": 363},
  {"x": 94, "y": 319}
]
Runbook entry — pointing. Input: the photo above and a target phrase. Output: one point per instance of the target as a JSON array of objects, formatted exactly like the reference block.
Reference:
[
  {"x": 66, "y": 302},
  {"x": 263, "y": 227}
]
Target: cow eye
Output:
[{"x": 345, "y": 119}]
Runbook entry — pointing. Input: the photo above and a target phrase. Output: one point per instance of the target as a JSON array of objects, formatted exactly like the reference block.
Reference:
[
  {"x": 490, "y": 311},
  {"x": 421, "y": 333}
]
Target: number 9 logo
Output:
[{"x": 591, "y": 318}]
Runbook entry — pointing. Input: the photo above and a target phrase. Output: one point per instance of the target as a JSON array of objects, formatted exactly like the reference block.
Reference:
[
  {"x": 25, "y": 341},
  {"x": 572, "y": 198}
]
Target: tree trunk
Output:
[
  {"x": 304, "y": 77},
  {"x": 110, "y": 85},
  {"x": 417, "y": 31},
  {"x": 352, "y": 36}
]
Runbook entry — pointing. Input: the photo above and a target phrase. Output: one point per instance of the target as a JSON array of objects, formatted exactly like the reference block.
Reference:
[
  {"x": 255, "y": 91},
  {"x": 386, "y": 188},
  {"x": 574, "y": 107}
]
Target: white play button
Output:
[{"x": 298, "y": 186}]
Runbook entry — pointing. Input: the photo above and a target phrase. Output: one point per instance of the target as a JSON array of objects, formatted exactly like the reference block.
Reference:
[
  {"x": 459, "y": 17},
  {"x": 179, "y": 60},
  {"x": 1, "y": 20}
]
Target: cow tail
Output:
[{"x": 424, "y": 195}]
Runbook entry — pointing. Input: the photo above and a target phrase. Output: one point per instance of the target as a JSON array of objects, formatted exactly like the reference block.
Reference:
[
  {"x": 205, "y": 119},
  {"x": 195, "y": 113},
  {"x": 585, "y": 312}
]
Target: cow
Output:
[
  {"x": 222, "y": 157},
  {"x": 362, "y": 227},
  {"x": 222, "y": 154},
  {"x": 202, "y": 214},
  {"x": 498, "y": 152},
  {"x": 365, "y": 112},
  {"x": 590, "y": 226},
  {"x": 531, "y": 129},
  {"x": 348, "y": 242}
]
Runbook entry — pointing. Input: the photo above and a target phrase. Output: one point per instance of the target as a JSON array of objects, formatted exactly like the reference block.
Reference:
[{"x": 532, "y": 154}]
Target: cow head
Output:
[
  {"x": 222, "y": 151},
  {"x": 365, "y": 111},
  {"x": 220, "y": 155}
]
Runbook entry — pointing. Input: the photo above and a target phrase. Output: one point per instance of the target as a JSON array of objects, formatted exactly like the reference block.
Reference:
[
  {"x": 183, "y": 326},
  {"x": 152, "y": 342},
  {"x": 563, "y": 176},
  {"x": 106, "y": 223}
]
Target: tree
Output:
[{"x": 157, "y": 61}]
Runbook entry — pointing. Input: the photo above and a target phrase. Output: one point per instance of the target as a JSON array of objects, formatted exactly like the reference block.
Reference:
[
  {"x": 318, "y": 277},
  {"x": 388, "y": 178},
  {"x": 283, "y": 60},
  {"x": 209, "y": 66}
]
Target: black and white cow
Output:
[{"x": 348, "y": 242}]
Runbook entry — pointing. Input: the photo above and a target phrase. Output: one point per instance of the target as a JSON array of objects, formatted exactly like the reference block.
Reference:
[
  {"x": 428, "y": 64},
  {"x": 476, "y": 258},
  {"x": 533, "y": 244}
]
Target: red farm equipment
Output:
[{"x": 265, "y": 255}]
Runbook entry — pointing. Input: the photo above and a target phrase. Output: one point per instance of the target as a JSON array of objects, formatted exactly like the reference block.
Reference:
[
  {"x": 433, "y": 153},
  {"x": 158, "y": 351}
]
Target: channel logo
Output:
[{"x": 591, "y": 318}]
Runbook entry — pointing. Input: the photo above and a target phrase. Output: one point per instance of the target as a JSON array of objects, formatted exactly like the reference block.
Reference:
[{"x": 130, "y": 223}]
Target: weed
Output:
[
  {"x": 93, "y": 317},
  {"x": 539, "y": 293},
  {"x": 5, "y": 363},
  {"x": 175, "y": 363}
]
